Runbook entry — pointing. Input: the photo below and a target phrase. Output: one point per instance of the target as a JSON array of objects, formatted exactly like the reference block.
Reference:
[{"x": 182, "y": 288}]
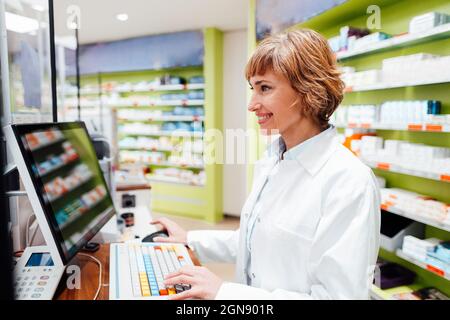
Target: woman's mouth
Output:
[{"x": 263, "y": 118}]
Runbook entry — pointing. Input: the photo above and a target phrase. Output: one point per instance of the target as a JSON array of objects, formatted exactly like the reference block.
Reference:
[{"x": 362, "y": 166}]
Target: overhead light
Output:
[
  {"x": 20, "y": 24},
  {"x": 122, "y": 17}
]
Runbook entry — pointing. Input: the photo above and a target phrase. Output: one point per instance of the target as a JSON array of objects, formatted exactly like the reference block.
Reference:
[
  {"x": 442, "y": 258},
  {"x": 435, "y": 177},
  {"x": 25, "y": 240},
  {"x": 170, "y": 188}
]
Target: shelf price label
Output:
[
  {"x": 435, "y": 270},
  {"x": 433, "y": 127},
  {"x": 383, "y": 166},
  {"x": 445, "y": 177},
  {"x": 415, "y": 127}
]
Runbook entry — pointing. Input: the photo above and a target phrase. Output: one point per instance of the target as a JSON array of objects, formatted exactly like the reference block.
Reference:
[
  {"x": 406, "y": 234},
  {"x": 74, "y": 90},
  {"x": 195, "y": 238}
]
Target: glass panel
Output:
[{"x": 28, "y": 40}]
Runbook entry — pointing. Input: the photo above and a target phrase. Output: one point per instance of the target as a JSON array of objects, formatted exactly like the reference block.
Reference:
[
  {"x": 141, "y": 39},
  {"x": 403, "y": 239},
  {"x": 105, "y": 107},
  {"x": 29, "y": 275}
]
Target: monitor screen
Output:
[{"x": 62, "y": 163}]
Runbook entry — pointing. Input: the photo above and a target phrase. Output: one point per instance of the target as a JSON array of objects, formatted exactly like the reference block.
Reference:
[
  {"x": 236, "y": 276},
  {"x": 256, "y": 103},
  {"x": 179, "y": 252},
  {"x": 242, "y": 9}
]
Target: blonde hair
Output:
[{"x": 306, "y": 60}]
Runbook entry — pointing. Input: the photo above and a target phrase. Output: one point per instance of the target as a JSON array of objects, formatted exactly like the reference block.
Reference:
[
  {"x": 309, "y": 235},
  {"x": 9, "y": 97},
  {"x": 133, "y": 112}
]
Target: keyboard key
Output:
[
  {"x": 171, "y": 290},
  {"x": 163, "y": 292},
  {"x": 179, "y": 288}
]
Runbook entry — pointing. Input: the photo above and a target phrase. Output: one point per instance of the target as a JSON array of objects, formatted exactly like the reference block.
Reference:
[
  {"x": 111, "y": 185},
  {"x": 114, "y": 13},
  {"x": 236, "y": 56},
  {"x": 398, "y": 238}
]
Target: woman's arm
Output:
[{"x": 214, "y": 245}]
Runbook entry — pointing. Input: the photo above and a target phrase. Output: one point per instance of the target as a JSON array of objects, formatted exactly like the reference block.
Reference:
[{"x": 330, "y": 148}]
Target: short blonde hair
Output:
[{"x": 306, "y": 60}]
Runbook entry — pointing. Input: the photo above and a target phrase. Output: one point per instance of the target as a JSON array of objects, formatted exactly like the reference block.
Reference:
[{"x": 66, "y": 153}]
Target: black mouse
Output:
[{"x": 159, "y": 233}]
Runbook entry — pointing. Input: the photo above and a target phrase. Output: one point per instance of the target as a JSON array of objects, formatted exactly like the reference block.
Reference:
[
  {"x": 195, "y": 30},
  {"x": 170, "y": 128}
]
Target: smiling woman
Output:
[
  {"x": 310, "y": 226},
  {"x": 305, "y": 61}
]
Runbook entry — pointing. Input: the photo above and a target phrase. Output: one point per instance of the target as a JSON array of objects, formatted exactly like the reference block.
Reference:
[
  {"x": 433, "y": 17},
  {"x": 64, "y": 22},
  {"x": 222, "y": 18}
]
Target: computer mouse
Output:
[{"x": 159, "y": 233}]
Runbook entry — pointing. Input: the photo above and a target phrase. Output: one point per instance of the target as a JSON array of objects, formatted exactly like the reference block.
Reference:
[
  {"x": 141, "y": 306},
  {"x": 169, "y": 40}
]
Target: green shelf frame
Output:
[{"x": 395, "y": 17}]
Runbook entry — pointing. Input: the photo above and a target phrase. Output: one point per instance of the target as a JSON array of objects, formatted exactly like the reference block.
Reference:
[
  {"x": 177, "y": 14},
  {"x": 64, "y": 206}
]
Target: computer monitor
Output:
[{"x": 65, "y": 185}]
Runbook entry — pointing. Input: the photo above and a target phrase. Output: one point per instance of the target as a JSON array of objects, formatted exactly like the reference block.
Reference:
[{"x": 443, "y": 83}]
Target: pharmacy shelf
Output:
[
  {"x": 384, "y": 86},
  {"x": 150, "y": 88},
  {"x": 398, "y": 169},
  {"x": 80, "y": 183},
  {"x": 166, "y": 87},
  {"x": 165, "y": 164},
  {"x": 430, "y": 222},
  {"x": 406, "y": 40},
  {"x": 157, "y": 149},
  {"x": 47, "y": 144},
  {"x": 165, "y": 134},
  {"x": 377, "y": 293},
  {"x": 74, "y": 217},
  {"x": 154, "y": 103},
  {"x": 159, "y": 103},
  {"x": 424, "y": 127},
  {"x": 423, "y": 265},
  {"x": 167, "y": 179},
  {"x": 60, "y": 166},
  {"x": 165, "y": 118}
]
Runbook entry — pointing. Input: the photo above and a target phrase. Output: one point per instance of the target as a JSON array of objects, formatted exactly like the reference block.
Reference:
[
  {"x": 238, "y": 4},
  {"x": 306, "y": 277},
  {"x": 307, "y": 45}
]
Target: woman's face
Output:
[{"x": 273, "y": 102}]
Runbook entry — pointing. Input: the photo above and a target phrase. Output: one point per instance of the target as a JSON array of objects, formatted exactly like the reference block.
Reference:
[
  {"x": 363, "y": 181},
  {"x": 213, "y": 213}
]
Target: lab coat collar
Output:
[{"x": 311, "y": 154}]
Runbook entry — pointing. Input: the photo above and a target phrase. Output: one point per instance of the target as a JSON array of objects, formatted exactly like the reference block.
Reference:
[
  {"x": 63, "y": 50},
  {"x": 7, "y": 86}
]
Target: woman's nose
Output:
[{"x": 253, "y": 105}]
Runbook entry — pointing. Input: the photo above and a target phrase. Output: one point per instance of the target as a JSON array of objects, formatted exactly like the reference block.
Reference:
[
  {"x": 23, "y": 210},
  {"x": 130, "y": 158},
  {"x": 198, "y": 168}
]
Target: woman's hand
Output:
[
  {"x": 204, "y": 284},
  {"x": 176, "y": 233}
]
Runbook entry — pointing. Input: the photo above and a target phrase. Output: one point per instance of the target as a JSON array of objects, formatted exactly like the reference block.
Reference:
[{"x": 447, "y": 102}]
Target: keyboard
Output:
[{"x": 137, "y": 270}]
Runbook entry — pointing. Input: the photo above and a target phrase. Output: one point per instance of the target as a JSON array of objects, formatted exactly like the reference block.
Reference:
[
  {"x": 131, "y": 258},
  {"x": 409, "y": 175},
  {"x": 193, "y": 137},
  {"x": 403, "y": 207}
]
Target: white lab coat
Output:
[{"x": 318, "y": 239}]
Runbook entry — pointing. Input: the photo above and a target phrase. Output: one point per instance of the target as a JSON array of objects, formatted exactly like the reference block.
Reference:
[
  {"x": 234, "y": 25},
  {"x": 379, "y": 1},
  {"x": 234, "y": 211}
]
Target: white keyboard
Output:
[{"x": 137, "y": 270}]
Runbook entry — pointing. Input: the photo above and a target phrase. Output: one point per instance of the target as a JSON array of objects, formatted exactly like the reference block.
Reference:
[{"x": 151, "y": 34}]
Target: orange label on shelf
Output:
[
  {"x": 389, "y": 203},
  {"x": 383, "y": 166},
  {"x": 393, "y": 196},
  {"x": 415, "y": 127},
  {"x": 365, "y": 125},
  {"x": 352, "y": 125},
  {"x": 433, "y": 127},
  {"x": 445, "y": 177},
  {"x": 385, "y": 207},
  {"x": 435, "y": 270}
]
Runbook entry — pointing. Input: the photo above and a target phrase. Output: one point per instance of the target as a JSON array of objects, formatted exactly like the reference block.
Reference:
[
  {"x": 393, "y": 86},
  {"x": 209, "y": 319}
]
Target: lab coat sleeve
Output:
[
  {"x": 214, "y": 245},
  {"x": 343, "y": 253}
]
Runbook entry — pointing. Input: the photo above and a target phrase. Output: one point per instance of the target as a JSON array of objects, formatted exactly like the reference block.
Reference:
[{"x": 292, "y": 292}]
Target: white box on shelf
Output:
[{"x": 395, "y": 242}]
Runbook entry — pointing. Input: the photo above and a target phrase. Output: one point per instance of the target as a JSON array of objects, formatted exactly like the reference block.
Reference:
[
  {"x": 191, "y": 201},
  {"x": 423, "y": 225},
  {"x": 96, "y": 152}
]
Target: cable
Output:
[{"x": 99, "y": 274}]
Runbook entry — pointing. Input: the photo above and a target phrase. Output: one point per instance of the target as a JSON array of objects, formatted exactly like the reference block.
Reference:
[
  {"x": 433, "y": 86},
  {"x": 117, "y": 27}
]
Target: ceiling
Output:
[{"x": 98, "y": 21}]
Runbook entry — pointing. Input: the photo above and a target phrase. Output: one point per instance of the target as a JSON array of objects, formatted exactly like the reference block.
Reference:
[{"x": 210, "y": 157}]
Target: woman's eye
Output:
[{"x": 265, "y": 88}]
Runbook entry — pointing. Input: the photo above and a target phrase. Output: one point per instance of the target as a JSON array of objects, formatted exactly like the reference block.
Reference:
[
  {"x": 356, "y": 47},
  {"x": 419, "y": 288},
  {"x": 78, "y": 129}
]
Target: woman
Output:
[{"x": 310, "y": 226}]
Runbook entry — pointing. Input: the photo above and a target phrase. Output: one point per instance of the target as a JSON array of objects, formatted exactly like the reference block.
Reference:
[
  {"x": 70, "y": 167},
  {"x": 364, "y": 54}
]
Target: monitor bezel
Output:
[{"x": 21, "y": 129}]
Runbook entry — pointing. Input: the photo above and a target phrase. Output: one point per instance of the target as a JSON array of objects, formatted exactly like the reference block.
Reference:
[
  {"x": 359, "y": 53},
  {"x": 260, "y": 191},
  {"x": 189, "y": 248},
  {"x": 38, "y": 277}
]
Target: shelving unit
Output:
[
  {"x": 387, "y": 294},
  {"x": 393, "y": 85},
  {"x": 395, "y": 21},
  {"x": 423, "y": 265},
  {"x": 417, "y": 127},
  {"x": 396, "y": 42},
  {"x": 142, "y": 91},
  {"x": 386, "y": 166},
  {"x": 430, "y": 222}
]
